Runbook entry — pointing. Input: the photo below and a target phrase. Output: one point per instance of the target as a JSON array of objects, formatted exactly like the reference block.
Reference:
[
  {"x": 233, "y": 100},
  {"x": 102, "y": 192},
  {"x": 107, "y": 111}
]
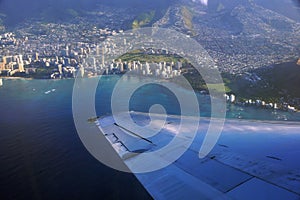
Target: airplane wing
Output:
[{"x": 252, "y": 159}]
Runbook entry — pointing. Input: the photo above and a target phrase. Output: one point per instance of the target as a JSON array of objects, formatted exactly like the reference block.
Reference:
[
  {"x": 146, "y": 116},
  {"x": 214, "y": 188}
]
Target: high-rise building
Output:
[
  {"x": 232, "y": 98},
  {"x": 147, "y": 69},
  {"x": 94, "y": 63},
  {"x": 3, "y": 63},
  {"x": 81, "y": 72},
  {"x": 160, "y": 66},
  {"x": 178, "y": 65},
  {"x": 157, "y": 72},
  {"x": 36, "y": 56},
  {"x": 121, "y": 67},
  {"x": 60, "y": 69},
  {"x": 97, "y": 50},
  {"x": 21, "y": 67},
  {"x": 67, "y": 51},
  {"x": 169, "y": 69},
  {"x": 129, "y": 66},
  {"x": 21, "y": 58},
  {"x": 4, "y": 60},
  {"x": 134, "y": 65},
  {"x": 111, "y": 66},
  {"x": 2, "y": 66},
  {"x": 103, "y": 57}
]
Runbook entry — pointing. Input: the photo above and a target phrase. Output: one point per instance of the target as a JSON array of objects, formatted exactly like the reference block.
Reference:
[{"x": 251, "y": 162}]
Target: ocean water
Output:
[{"x": 41, "y": 155}]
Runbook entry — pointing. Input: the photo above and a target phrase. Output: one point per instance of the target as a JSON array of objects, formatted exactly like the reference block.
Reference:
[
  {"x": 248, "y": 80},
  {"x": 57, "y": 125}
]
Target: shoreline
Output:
[
  {"x": 162, "y": 80},
  {"x": 15, "y": 78}
]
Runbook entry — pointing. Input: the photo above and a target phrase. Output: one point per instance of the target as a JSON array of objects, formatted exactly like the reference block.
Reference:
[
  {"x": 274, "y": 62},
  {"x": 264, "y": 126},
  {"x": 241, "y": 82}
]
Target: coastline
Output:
[
  {"x": 169, "y": 81},
  {"x": 15, "y": 78}
]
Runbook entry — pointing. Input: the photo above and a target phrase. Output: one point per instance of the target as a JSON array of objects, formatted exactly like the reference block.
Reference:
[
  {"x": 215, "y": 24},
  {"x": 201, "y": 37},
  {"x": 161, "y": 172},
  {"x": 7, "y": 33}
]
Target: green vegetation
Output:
[
  {"x": 284, "y": 78},
  {"x": 219, "y": 87},
  {"x": 188, "y": 16},
  {"x": 276, "y": 82},
  {"x": 248, "y": 90},
  {"x": 53, "y": 14},
  {"x": 198, "y": 83},
  {"x": 143, "y": 19},
  {"x": 42, "y": 73},
  {"x": 189, "y": 72},
  {"x": 281, "y": 80}
]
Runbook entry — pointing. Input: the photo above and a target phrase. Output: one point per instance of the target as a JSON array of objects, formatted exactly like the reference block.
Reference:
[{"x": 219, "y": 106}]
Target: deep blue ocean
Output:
[{"x": 41, "y": 155}]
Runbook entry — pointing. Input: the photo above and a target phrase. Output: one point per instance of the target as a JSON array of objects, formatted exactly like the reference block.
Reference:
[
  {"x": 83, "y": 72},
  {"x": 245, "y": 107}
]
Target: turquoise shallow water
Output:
[{"x": 41, "y": 155}]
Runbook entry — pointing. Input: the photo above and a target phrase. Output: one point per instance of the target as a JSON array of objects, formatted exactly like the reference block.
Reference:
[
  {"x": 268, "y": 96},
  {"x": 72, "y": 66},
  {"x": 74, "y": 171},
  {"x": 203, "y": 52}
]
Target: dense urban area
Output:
[{"x": 243, "y": 43}]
